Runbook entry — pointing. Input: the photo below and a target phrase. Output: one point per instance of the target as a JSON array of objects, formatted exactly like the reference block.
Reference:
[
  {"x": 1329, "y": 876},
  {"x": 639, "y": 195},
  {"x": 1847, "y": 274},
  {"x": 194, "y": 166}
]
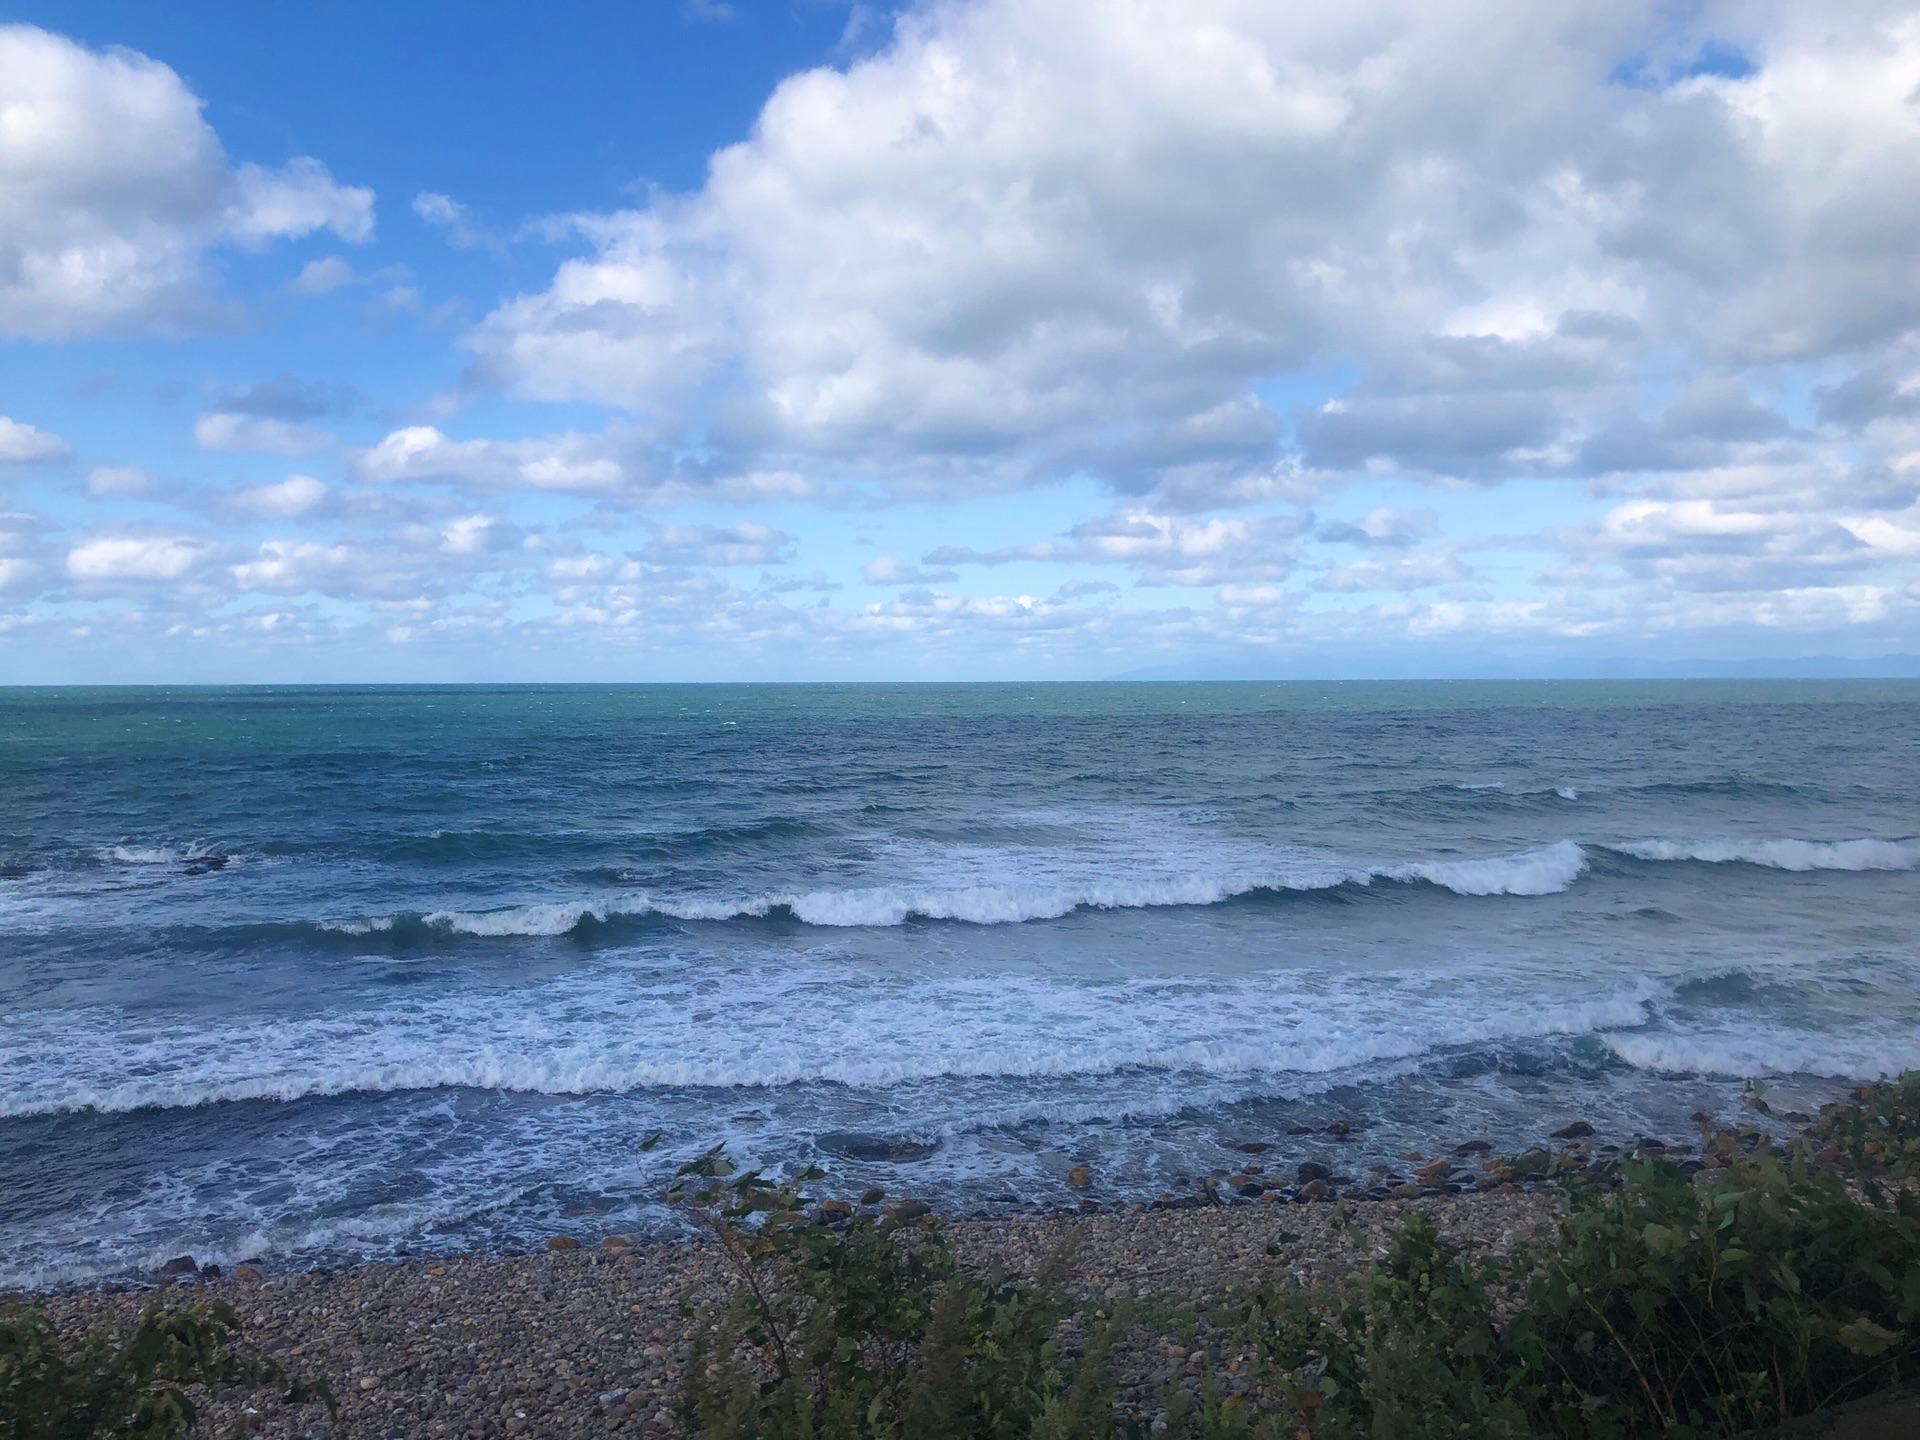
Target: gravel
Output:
[{"x": 577, "y": 1342}]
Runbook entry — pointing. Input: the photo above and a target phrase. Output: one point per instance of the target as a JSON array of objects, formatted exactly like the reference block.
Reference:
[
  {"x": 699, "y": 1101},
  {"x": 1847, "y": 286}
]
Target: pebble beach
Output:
[{"x": 591, "y": 1339}]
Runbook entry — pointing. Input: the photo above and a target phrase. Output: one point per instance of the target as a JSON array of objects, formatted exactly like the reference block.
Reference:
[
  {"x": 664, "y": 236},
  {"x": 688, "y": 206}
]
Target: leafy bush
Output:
[
  {"x": 1880, "y": 1129},
  {"x": 1667, "y": 1305},
  {"x": 135, "y": 1388},
  {"x": 1765, "y": 1288},
  {"x": 868, "y": 1328}
]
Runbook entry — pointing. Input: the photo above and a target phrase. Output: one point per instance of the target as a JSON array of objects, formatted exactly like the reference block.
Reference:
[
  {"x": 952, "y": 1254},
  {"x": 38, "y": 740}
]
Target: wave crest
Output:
[{"x": 1783, "y": 854}]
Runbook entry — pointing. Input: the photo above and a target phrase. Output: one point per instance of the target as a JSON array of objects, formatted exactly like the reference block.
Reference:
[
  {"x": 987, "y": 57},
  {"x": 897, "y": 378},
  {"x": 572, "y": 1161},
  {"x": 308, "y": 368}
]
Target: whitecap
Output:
[{"x": 1784, "y": 854}]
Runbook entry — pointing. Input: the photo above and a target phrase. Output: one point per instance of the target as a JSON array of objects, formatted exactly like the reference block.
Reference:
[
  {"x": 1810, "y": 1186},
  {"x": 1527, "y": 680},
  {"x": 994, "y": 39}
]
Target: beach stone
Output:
[
  {"x": 1407, "y": 1192},
  {"x": 1578, "y": 1130},
  {"x": 1315, "y": 1190},
  {"x": 180, "y": 1265},
  {"x": 836, "y": 1208},
  {"x": 562, "y": 1242},
  {"x": 1080, "y": 1177},
  {"x": 906, "y": 1210},
  {"x": 1311, "y": 1170},
  {"x": 1434, "y": 1170},
  {"x": 1473, "y": 1147},
  {"x": 614, "y": 1244},
  {"x": 247, "y": 1272}
]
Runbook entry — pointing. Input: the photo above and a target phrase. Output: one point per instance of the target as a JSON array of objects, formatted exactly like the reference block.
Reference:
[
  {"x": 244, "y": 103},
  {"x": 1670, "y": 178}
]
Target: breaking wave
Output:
[
  {"x": 1783, "y": 854},
  {"x": 1545, "y": 870},
  {"x": 619, "y": 1033}
]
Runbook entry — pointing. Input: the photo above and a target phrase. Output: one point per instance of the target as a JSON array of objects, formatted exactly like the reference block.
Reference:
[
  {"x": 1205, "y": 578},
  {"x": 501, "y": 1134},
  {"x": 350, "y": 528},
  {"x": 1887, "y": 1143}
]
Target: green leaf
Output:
[{"x": 1863, "y": 1337}]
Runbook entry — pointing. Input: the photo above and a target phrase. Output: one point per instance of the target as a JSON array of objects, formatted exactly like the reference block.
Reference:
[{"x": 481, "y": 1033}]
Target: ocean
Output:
[{"x": 325, "y": 975}]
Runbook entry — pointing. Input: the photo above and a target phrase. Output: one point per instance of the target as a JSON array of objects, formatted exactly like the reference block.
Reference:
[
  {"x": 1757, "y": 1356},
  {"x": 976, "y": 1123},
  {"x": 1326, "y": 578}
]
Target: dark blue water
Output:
[{"x": 324, "y": 973}]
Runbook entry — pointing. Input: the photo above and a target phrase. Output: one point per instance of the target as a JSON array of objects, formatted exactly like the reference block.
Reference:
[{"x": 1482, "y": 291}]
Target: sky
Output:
[{"x": 995, "y": 339}]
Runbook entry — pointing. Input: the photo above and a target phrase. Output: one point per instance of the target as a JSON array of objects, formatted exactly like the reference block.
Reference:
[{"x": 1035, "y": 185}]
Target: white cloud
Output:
[
  {"x": 292, "y": 497},
  {"x": 1037, "y": 236},
  {"x": 118, "y": 482},
  {"x": 891, "y": 570},
  {"x": 113, "y": 186},
  {"x": 450, "y": 217},
  {"x": 748, "y": 543},
  {"x": 262, "y": 434},
  {"x": 22, "y": 444},
  {"x": 609, "y": 467},
  {"x": 319, "y": 277},
  {"x": 137, "y": 558}
]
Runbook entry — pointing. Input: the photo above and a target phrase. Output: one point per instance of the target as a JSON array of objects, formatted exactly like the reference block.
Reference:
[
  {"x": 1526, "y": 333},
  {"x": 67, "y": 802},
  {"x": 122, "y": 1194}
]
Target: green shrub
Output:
[
  {"x": 134, "y": 1388},
  {"x": 1667, "y": 1304},
  {"x": 867, "y": 1329},
  {"x": 1769, "y": 1286},
  {"x": 1880, "y": 1129}
]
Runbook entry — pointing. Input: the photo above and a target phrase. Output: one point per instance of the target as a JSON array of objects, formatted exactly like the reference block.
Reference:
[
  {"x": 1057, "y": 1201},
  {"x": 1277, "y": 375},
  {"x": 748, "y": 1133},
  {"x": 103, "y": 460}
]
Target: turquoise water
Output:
[{"x": 324, "y": 974}]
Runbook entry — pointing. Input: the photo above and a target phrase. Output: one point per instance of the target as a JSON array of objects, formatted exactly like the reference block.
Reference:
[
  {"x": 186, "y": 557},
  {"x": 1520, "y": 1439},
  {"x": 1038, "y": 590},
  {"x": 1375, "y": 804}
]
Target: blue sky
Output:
[{"x": 970, "y": 340}]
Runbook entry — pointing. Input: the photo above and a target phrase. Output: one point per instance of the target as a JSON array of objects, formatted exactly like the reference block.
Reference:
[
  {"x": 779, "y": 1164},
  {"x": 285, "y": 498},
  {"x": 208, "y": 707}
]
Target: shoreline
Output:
[{"x": 575, "y": 1342}]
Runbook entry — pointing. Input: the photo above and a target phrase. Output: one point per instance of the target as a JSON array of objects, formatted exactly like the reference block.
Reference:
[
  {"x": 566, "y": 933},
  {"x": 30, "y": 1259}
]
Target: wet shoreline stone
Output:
[{"x": 592, "y": 1341}]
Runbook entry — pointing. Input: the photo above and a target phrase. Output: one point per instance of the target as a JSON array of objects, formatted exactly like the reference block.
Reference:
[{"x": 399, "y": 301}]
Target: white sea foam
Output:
[
  {"x": 1567, "y": 792},
  {"x": 1755, "y": 1050},
  {"x": 158, "y": 854},
  {"x": 1784, "y": 854},
  {"x": 789, "y": 1024},
  {"x": 1543, "y": 871}
]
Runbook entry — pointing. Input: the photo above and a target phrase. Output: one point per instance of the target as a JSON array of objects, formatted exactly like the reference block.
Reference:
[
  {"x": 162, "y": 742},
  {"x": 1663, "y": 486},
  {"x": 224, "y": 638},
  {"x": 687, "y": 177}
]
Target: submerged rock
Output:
[{"x": 858, "y": 1145}]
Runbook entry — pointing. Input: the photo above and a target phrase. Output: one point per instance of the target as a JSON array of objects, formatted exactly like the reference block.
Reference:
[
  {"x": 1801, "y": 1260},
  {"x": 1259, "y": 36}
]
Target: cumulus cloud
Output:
[
  {"x": 113, "y": 187},
  {"x": 119, "y": 482},
  {"x": 1165, "y": 549},
  {"x": 138, "y": 558},
  {"x": 22, "y": 444},
  {"x": 1027, "y": 238},
  {"x": 610, "y": 467},
  {"x": 748, "y": 543},
  {"x": 322, "y": 276},
  {"x": 263, "y": 434},
  {"x": 891, "y": 570},
  {"x": 292, "y": 497}
]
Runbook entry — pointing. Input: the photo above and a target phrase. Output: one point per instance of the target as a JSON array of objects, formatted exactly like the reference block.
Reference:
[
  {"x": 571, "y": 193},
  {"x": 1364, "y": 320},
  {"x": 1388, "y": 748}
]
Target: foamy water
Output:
[{"x": 336, "y": 974}]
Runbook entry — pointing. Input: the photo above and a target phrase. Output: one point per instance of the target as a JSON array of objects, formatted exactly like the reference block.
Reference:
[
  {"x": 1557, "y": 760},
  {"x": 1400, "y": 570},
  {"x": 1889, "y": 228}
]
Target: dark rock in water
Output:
[
  {"x": 15, "y": 872},
  {"x": 1578, "y": 1130},
  {"x": 1704, "y": 1117},
  {"x": 856, "y": 1145},
  {"x": 1647, "y": 1142},
  {"x": 210, "y": 1272},
  {"x": 1079, "y": 1177},
  {"x": 562, "y": 1242},
  {"x": 204, "y": 864},
  {"x": 1340, "y": 1129},
  {"x": 1253, "y": 1147},
  {"x": 906, "y": 1210},
  {"x": 1301, "y": 1130},
  {"x": 180, "y": 1265},
  {"x": 841, "y": 1209},
  {"x": 1472, "y": 1147},
  {"x": 1311, "y": 1170}
]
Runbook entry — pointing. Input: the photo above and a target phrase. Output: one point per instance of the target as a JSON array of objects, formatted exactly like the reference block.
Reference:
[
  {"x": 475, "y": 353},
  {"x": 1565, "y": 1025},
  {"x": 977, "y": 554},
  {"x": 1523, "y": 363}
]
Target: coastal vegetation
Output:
[
  {"x": 1776, "y": 1281},
  {"x": 135, "y": 1386}
]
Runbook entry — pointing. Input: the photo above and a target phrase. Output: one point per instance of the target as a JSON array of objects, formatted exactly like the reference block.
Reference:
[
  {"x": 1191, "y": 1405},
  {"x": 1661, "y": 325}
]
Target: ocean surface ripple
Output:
[{"x": 339, "y": 973}]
